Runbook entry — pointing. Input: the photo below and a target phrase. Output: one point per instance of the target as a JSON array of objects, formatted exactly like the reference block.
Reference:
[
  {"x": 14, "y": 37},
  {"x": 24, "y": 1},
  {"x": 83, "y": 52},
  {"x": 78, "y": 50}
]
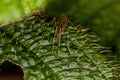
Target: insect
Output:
[
  {"x": 63, "y": 22},
  {"x": 61, "y": 26}
]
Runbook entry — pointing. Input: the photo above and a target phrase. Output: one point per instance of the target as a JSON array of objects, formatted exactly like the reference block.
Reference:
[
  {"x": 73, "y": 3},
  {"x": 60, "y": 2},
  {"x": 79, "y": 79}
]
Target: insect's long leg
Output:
[
  {"x": 59, "y": 29},
  {"x": 55, "y": 23},
  {"x": 59, "y": 38},
  {"x": 67, "y": 42}
]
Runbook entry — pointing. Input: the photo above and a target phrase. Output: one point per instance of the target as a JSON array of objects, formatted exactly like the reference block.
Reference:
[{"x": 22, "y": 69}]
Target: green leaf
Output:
[{"x": 33, "y": 47}]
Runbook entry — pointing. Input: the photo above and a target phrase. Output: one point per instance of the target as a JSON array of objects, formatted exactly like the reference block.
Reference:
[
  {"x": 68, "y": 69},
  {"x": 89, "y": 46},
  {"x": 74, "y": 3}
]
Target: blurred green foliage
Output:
[
  {"x": 58, "y": 7},
  {"x": 12, "y": 10}
]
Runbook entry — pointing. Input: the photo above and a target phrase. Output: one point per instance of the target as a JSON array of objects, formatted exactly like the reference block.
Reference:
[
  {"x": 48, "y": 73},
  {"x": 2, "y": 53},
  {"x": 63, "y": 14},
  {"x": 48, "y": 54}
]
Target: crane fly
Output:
[
  {"x": 63, "y": 22},
  {"x": 61, "y": 26}
]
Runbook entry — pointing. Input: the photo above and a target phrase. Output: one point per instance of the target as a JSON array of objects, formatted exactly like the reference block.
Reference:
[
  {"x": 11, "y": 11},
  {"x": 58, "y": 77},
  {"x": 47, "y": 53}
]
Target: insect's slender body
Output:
[{"x": 60, "y": 28}]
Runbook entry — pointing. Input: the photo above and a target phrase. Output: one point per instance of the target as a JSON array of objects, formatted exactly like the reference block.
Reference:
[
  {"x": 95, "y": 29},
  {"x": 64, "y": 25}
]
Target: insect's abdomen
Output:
[{"x": 61, "y": 26}]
